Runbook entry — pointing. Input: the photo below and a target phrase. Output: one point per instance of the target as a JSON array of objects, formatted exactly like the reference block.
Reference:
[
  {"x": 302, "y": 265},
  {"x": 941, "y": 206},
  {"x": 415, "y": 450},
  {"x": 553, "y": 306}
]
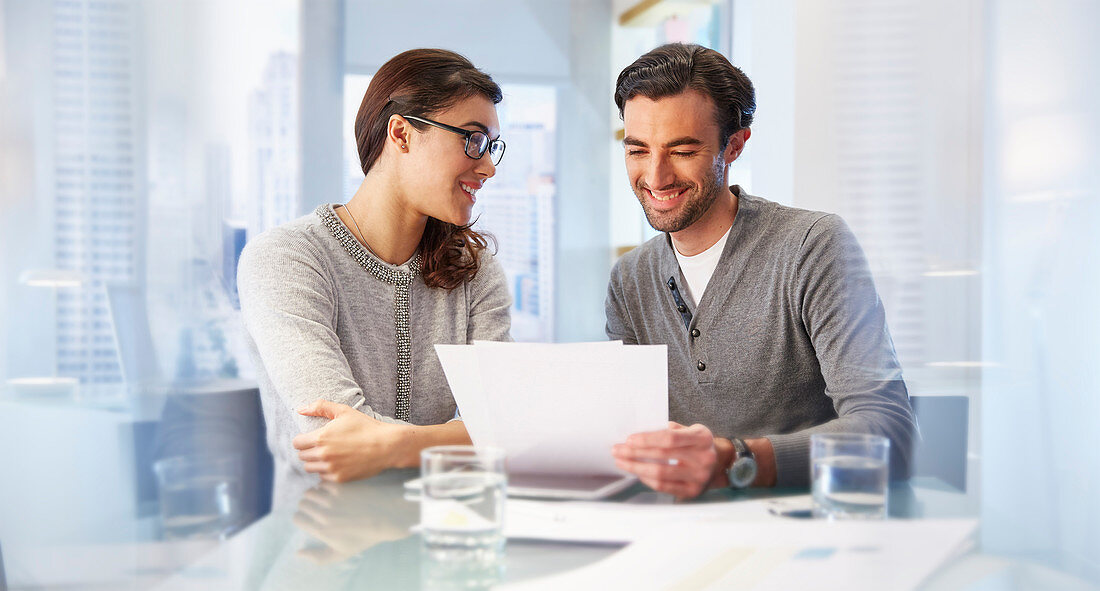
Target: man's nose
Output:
[{"x": 659, "y": 173}]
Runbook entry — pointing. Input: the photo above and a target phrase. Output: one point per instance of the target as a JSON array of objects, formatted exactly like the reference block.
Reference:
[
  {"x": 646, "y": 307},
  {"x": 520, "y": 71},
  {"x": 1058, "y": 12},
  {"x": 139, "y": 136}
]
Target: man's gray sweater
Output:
[{"x": 790, "y": 336}]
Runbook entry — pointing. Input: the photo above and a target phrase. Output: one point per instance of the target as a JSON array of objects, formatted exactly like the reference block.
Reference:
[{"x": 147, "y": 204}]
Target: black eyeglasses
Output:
[{"x": 477, "y": 142}]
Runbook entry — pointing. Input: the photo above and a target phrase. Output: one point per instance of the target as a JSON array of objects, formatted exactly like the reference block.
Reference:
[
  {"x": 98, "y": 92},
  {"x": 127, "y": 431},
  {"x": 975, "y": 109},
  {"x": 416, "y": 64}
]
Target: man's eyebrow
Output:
[
  {"x": 680, "y": 141},
  {"x": 683, "y": 141}
]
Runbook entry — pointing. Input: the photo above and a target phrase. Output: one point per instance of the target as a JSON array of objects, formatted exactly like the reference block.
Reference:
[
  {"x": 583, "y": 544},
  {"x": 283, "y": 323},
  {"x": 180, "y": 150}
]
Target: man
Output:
[{"x": 773, "y": 325}]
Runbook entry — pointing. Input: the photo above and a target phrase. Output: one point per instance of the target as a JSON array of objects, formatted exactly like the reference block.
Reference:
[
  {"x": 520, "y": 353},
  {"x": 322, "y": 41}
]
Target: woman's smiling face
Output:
[{"x": 439, "y": 179}]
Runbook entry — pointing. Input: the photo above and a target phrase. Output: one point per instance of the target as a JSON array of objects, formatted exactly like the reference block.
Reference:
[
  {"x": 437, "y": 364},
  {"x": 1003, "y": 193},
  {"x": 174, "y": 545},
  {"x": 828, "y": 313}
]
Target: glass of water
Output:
[
  {"x": 849, "y": 474},
  {"x": 462, "y": 500},
  {"x": 200, "y": 496}
]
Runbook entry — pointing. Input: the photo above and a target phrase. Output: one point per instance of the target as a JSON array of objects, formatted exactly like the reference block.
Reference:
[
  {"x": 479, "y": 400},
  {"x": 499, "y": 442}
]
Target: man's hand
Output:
[
  {"x": 351, "y": 446},
  {"x": 679, "y": 460}
]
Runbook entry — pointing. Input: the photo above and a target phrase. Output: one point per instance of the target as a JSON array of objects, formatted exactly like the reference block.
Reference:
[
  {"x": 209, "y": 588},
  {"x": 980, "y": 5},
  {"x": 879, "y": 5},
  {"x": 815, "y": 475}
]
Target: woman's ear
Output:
[{"x": 398, "y": 131}]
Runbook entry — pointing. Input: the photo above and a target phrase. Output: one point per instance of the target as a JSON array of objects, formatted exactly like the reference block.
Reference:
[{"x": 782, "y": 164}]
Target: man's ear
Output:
[
  {"x": 736, "y": 145},
  {"x": 398, "y": 132}
]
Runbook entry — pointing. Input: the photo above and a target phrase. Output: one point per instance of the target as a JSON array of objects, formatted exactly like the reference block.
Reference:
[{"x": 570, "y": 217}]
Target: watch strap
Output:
[
  {"x": 742, "y": 458},
  {"x": 741, "y": 449}
]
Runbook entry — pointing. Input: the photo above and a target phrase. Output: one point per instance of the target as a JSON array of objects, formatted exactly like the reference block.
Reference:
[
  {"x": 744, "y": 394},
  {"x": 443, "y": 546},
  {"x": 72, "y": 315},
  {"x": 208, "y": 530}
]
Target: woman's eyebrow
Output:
[{"x": 478, "y": 124}]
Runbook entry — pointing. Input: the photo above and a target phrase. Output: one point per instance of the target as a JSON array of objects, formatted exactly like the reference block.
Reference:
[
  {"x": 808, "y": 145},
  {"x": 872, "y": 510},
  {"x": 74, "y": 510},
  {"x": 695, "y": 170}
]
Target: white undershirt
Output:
[{"x": 698, "y": 269}]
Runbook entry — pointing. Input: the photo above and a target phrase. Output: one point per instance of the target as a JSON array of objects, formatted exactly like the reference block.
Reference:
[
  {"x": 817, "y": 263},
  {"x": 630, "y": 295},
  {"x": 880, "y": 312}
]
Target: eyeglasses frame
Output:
[{"x": 466, "y": 133}]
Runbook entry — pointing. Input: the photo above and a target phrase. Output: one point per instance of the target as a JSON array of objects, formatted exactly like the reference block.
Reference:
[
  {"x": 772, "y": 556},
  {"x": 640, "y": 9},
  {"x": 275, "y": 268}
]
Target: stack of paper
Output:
[
  {"x": 557, "y": 409},
  {"x": 773, "y": 556},
  {"x": 623, "y": 523}
]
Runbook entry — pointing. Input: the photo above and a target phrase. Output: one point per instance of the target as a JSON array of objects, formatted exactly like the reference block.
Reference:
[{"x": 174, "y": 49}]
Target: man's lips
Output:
[{"x": 665, "y": 199}]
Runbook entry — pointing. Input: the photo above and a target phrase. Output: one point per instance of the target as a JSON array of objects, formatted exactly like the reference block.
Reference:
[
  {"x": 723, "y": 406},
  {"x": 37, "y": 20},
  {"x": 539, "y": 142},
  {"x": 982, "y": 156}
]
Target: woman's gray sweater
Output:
[{"x": 326, "y": 319}]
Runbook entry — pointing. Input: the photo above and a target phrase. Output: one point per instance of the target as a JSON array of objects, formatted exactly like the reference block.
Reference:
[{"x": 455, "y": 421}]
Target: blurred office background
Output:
[{"x": 144, "y": 142}]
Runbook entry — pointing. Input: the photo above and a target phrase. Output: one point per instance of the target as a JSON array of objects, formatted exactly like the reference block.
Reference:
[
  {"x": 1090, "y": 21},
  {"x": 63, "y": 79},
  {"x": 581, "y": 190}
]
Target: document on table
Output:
[
  {"x": 776, "y": 555},
  {"x": 558, "y": 408},
  {"x": 623, "y": 523}
]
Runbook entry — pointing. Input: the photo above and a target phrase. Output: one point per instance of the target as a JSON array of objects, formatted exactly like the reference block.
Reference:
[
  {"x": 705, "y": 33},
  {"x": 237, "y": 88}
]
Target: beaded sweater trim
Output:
[{"x": 401, "y": 281}]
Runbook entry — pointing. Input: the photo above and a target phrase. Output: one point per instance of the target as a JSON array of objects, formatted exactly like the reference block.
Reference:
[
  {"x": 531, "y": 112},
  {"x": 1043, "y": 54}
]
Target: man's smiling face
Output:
[{"x": 674, "y": 160}]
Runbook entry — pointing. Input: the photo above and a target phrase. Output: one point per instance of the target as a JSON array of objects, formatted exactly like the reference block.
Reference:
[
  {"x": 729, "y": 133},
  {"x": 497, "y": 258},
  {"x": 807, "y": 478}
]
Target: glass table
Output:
[{"x": 359, "y": 535}]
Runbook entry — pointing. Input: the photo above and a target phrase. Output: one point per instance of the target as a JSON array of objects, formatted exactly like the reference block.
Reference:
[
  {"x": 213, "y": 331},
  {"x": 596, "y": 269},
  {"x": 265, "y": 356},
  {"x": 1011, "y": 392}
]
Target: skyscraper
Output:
[
  {"x": 96, "y": 176},
  {"x": 273, "y": 136},
  {"x": 517, "y": 207}
]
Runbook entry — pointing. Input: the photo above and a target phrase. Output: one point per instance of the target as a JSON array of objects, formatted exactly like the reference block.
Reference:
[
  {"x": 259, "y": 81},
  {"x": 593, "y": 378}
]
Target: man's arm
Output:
[
  {"x": 619, "y": 325},
  {"x": 685, "y": 461},
  {"x": 846, "y": 323},
  {"x": 762, "y": 451},
  {"x": 844, "y": 318}
]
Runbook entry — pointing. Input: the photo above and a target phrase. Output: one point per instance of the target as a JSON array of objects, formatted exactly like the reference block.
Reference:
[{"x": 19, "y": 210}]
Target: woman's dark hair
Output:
[
  {"x": 673, "y": 68},
  {"x": 423, "y": 82}
]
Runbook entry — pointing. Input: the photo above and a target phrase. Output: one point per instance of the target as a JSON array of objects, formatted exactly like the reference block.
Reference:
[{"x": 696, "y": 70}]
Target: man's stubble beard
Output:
[{"x": 691, "y": 211}]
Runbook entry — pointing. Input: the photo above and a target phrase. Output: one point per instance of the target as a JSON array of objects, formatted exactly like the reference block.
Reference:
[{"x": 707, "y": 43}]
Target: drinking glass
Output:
[
  {"x": 462, "y": 500},
  {"x": 200, "y": 496},
  {"x": 849, "y": 472}
]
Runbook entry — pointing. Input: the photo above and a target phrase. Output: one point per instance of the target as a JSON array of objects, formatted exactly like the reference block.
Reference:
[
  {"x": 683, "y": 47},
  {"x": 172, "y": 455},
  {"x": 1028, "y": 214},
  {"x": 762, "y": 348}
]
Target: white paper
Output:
[
  {"x": 558, "y": 408},
  {"x": 595, "y": 522},
  {"x": 464, "y": 377},
  {"x": 777, "y": 555}
]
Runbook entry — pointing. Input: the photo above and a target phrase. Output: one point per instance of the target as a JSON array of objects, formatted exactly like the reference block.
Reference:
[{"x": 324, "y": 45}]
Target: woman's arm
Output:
[
  {"x": 353, "y": 445},
  {"x": 288, "y": 306},
  {"x": 489, "y": 313}
]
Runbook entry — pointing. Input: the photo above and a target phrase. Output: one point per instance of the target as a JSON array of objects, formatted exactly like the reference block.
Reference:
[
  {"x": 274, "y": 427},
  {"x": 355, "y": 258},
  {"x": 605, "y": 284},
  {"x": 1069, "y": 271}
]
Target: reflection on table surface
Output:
[{"x": 362, "y": 533}]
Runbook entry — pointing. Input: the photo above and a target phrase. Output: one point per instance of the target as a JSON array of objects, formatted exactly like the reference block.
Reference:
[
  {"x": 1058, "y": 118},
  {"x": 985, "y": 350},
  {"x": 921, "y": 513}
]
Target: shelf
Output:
[{"x": 649, "y": 13}]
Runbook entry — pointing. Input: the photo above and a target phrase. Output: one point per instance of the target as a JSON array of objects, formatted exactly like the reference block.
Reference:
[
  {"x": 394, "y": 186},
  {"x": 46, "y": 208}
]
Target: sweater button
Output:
[
  {"x": 702, "y": 366},
  {"x": 695, "y": 334},
  {"x": 682, "y": 308}
]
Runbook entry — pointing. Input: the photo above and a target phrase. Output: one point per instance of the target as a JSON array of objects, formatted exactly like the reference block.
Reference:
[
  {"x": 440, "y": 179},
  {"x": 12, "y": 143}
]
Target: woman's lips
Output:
[{"x": 470, "y": 190}]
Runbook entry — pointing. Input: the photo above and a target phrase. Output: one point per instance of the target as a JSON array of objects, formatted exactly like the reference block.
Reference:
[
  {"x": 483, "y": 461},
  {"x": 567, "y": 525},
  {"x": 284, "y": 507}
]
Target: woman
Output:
[{"x": 343, "y": 306}]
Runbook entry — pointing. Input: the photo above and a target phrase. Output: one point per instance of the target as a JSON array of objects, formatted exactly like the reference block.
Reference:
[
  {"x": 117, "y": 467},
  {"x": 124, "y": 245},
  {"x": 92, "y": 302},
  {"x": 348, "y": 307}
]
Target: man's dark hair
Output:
[{"x": 673, "y": 68}]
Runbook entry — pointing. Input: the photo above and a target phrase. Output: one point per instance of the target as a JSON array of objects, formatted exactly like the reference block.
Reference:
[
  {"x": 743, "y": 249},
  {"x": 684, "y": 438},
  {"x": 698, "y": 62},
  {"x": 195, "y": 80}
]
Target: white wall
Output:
[
  {"x": 508, "y": 39},
  {"x": 1041, "y": 466},
  {"x": 1005, "y": 98},
  {"x": 764, "y": 47},
  {"x": 564, "y": 44},
  {"x": 4, "y": 172},
  {"x": 26, "y": 190},
  {"x": 583, "y": 261},
  {"x": 887, "y": 133},
  {"x": 321, "y": 102}
]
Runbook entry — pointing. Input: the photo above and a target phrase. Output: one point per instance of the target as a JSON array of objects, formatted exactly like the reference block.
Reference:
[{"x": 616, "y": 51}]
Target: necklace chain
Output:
[{"x": 362, "y": 237}]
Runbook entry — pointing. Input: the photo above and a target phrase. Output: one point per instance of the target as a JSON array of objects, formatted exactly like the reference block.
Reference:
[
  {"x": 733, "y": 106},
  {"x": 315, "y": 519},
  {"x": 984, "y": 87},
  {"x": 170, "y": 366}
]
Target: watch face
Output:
[{"x": 742, "y": 473}]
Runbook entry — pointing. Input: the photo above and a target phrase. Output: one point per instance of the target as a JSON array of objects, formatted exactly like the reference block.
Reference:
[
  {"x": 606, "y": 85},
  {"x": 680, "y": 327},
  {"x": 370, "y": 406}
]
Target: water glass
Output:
[
  {"x": 849, "y": 472},
  {"x": 200, "y": 496},
  {"x": 462, "y": 501}
]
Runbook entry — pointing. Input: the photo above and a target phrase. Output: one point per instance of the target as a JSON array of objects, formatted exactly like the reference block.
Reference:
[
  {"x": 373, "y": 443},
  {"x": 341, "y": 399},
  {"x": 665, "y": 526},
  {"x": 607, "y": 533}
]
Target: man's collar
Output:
[{"x": 669, "y": 266}]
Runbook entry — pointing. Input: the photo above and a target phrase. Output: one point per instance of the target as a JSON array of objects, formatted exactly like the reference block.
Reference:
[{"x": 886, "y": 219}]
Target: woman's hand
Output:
[
  {"x": 349, "y": 518},
  {"x": 351, "y": 446}
]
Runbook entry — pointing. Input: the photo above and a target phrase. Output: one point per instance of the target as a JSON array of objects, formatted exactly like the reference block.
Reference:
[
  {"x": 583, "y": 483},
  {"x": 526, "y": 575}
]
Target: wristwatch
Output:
[{"x": 742, "y": 472}]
